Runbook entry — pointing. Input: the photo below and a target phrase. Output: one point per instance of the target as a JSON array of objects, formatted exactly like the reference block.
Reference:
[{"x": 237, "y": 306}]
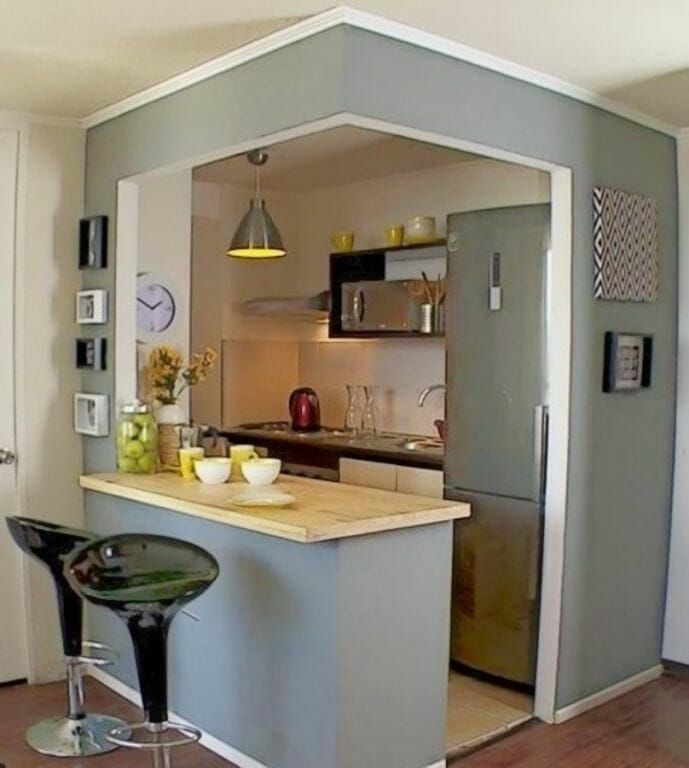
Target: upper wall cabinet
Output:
[{"x": 388, "y": 291}]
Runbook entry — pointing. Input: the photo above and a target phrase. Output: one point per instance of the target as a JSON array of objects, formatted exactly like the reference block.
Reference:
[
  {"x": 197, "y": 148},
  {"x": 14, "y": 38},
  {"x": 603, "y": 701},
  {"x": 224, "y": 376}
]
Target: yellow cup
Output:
[
  {"x": 394, "y": 235},
  {"x": 187, "y": 457},
  {"x": 238, "y": 454},
  {"x": 342, "y": 241}
]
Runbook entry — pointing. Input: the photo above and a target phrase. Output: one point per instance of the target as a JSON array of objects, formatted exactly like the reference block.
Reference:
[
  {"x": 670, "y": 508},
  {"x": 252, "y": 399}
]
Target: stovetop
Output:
[{"x": 284, "y": 428}]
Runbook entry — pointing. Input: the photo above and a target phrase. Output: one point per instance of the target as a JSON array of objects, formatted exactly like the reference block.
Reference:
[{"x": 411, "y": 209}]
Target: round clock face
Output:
[{"x": 155, "y": 308}]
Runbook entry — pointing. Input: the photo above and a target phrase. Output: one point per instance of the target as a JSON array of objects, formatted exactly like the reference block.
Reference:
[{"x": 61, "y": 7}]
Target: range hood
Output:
[{"x": 315, "y": 309}]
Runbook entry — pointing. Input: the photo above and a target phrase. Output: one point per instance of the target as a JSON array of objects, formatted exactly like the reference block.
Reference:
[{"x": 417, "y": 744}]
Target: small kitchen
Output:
[{"x": 344, "y": 357}]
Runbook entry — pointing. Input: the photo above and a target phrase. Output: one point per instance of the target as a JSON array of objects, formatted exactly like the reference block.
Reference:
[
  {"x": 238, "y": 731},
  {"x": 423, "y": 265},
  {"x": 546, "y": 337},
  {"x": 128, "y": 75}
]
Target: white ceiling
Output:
[
  {"x": 73, "y": 57},
  {"x": 332, "y": 157}
]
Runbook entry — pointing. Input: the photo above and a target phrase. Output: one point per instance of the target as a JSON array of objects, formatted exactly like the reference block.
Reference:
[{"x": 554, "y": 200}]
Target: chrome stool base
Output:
[
  {"x": 159, "y": 738},
  {"x": 73, "y": 737}
]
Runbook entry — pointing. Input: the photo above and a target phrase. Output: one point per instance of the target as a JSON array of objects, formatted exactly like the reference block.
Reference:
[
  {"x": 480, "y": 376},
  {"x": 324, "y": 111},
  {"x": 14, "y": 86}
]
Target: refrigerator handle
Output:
[{"x": 540, "y": 450}]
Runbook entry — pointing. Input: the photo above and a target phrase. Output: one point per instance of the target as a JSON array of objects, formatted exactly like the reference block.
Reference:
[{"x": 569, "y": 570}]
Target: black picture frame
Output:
[
  {"x": 627, "y": 361},
  {"x": 93, "y": 242},
  {"x": 91, "y": 354}
]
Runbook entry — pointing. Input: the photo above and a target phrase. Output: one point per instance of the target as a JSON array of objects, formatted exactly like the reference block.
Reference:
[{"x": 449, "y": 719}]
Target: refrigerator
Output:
[{"x": 496, "y": 443}]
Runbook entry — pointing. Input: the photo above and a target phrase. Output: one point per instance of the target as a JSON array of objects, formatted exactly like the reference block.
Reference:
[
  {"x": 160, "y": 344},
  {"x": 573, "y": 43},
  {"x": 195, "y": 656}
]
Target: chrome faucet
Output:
[{"x": 427, "y": 391}]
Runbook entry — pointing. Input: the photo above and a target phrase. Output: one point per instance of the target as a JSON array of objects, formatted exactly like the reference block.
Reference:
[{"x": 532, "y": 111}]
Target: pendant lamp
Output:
[{"x": 257, "y": 237}]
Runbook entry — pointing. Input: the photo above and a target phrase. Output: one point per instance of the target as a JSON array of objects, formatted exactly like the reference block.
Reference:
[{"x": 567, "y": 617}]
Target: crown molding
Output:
[
  {"x": 264, "y": 45},
  {"x": 387, "y": 28},
  {"x": 11, "y": 118}
]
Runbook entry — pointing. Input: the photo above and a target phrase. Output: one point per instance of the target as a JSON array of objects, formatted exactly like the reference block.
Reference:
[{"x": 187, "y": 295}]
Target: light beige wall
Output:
[
  {"x": 50, "y": 457},
  {"x": 400, "y": 368},
  {"x": 165, "y": 249},
  {"x": 221, "y": 283}
]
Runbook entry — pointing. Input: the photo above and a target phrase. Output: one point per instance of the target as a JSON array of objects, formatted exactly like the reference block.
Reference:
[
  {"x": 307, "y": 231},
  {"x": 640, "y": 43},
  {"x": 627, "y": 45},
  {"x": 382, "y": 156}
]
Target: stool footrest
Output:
[{"x": 123, "y": 735}]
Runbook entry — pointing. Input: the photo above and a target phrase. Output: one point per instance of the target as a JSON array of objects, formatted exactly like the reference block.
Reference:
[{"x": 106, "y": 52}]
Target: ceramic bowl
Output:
[
  {"x": 420, "y": 229},
  {"x": 261, "y": 471},
  {"x": 213, "y": 471}
]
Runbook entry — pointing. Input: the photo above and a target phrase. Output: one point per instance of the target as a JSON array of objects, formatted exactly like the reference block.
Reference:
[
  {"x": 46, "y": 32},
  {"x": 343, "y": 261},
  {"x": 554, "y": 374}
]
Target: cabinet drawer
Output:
[
  {"x": 371, "y": 474},
  {"x": 424, "y": 482}
]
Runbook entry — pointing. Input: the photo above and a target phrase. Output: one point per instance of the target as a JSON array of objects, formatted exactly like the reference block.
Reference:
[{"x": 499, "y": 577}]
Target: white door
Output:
[{"x": 13, "y": 662}]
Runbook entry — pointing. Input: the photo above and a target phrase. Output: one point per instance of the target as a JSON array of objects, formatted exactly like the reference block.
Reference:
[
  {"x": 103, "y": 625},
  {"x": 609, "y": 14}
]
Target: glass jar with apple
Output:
[{"x": 137, "y": 439}]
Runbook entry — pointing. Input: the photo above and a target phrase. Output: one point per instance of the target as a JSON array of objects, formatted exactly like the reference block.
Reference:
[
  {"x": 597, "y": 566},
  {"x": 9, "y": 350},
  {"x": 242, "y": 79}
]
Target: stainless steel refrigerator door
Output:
[
  {"x": 495, "y": 356},
  {"x": 496, "y": 587}
]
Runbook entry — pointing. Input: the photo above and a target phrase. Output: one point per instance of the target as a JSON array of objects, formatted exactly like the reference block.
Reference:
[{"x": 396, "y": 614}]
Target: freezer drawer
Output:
[{"x": 496, "y": 586}]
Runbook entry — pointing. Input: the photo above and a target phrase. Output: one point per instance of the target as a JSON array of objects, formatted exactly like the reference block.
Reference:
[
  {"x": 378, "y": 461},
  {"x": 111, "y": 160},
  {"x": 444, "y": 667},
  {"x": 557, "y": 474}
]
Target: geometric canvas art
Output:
[{"x": 625, "y": 246}]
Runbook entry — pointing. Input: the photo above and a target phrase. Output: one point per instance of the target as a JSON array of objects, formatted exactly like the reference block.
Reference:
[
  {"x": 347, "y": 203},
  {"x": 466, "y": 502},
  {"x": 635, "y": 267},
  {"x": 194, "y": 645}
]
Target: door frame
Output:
[
  {"x": 16, "y": 291},
  {"x": 558, "y": 345}
]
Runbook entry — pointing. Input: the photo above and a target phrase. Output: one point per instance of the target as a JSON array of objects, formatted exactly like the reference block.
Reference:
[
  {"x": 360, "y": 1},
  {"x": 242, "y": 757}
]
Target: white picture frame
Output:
[
  {"x": 91, "y": 414},
  {"x": 91, "y": 307}
]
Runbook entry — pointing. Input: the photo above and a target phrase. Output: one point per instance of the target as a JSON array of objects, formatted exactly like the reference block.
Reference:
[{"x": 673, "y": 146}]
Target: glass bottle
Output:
[
  {"x": 352, "y": 419},
  {"x": 137, "y": 439},
  {"x": 369, "y": 420}
]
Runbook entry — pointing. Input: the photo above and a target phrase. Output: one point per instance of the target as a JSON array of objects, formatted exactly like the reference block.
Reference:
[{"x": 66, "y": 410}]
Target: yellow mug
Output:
[
  {"x": 187, "y": 457},
  {"x": 238, "y": 454},
  {"x": 342, "y": 241},
  {"x": 394, "y": 235}
]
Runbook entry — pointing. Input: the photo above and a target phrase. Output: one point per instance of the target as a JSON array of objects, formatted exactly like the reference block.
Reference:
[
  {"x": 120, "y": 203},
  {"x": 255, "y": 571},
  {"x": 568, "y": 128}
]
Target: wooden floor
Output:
[
  {"x": 23, "y": 705},
  {"x": 478, "y": 711},
  {"x": 648, "y": 728}
]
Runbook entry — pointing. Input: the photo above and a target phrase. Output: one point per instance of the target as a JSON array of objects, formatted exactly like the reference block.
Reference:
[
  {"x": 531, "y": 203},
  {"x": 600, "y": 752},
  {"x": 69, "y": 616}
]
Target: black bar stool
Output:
[
  {"x": 77, "y": 734},
  {"x": 145, "y": 579}
]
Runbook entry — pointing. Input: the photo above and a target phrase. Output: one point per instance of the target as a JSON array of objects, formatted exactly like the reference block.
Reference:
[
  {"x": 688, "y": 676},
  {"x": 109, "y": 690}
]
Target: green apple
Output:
[
  {"x": 134, "y": 449},
  {"x": 128, "y": 430},
  {"x": 147, "y": 435},
  {"x": 127, "y": 465},
  {"x": 147, "y": 463}
]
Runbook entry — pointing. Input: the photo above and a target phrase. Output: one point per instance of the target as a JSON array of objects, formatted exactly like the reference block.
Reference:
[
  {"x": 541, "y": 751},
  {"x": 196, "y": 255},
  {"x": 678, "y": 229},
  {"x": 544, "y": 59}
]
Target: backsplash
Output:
[{"x": 257, "y": 377}]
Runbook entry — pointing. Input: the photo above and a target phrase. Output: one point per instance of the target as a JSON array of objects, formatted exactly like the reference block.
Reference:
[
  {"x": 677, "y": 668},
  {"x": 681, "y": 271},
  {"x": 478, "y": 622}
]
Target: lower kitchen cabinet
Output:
[
  {"x": 370, "y": 474},
  {"x": 392, "y": 477}
]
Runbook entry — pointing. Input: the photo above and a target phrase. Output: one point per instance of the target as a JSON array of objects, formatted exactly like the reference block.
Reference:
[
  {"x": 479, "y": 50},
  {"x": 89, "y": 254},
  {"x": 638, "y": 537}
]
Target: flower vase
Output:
[{"x": 169, "y": 417}]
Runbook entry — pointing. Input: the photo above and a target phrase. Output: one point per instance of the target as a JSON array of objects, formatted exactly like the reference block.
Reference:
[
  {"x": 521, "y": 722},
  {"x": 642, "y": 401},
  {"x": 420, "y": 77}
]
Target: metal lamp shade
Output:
[{"x": 256, "y": 237}]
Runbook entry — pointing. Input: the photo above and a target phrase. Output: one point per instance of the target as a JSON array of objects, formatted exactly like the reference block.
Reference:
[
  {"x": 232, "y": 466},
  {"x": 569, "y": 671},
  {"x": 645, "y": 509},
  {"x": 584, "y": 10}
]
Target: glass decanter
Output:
[
  {"x": 352, "y": 419},
  {"x": 369, "y": 419}
]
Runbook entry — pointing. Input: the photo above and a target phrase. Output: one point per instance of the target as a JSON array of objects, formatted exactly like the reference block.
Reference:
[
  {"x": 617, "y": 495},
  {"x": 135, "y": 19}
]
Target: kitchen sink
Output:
[{"x": 422, "y": 444}]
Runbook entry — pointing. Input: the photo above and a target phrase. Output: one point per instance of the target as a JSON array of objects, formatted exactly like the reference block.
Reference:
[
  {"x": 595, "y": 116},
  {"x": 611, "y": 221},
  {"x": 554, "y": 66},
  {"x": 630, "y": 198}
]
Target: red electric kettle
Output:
[{"x": 305, "y": 410}]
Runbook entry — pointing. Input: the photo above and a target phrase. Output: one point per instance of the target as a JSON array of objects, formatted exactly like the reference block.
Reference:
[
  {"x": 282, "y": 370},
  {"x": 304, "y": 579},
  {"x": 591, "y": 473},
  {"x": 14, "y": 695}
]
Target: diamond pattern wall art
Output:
[{"x": 625, "y": 246}]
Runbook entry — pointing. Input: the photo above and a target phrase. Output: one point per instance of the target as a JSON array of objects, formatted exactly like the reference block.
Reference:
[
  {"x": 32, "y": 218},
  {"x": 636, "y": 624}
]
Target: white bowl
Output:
[
  {"x": 213, "y": 471},
  {"x": 261, "y": 471}
]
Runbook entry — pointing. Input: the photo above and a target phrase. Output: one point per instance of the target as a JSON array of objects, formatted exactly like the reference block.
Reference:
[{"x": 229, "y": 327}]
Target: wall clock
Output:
[{"x": 156, "y": 307}]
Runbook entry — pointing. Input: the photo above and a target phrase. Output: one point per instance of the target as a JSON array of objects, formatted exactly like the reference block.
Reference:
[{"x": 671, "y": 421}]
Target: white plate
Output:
[{"x": 262, "y": 497}]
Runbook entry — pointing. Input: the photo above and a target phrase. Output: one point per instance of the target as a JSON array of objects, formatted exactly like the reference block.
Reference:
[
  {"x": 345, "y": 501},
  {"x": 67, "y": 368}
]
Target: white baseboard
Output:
[
  {"x": 607, "y": 694},
  {"x": 207, "y": 740}
]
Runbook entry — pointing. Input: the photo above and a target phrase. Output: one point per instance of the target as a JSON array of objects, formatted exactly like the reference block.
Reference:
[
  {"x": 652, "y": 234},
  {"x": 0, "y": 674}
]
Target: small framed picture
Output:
[
  {"x": 91, "y": 354},
  {"x": 91, "y": 414},
  {"x": 627, "y": 361},
  {"x": 93, "y": 242},
  {"x": 92, "y": 307}
]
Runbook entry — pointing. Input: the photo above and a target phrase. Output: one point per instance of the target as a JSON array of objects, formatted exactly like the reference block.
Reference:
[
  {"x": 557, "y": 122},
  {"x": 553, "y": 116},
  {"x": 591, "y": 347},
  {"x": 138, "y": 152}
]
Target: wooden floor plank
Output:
[{"x": 647, "y": 728}]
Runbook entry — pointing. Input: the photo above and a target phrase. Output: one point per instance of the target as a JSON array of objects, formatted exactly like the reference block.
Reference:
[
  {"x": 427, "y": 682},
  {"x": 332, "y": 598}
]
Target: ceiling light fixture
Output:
[{"x": 257, "y": 237}]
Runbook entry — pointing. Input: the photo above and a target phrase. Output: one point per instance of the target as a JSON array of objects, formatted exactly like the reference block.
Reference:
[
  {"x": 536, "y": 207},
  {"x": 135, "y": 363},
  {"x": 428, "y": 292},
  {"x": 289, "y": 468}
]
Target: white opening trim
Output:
[{"x": 559, "y": 322}]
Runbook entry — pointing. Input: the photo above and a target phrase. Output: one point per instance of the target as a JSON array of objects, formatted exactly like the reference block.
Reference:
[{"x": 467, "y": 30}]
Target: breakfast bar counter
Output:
[
  {"x": 324, "y": 642},
  {"x": 321, "y": 510}
]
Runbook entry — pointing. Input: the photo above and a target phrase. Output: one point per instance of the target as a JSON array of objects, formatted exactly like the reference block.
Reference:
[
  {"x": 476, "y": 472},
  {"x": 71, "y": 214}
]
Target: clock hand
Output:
[
  {"x": 155, "y": 306},
  {"x": 145, "y": 304}
]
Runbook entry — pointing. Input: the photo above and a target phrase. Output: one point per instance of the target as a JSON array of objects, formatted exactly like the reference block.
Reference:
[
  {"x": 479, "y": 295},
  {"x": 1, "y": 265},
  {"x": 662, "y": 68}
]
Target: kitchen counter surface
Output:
[
  {"x": 322, "y": 511},
  {"x": 386, "y": 447}
]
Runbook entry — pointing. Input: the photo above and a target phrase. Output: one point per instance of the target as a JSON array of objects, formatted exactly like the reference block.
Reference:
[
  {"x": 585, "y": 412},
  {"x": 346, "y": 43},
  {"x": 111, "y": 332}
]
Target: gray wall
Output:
[{"x": 619, "y": 481}]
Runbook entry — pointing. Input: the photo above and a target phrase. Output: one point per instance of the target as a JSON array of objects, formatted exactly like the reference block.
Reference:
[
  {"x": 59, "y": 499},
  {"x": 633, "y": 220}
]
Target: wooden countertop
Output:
[{"x": 322, "y": 511}]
